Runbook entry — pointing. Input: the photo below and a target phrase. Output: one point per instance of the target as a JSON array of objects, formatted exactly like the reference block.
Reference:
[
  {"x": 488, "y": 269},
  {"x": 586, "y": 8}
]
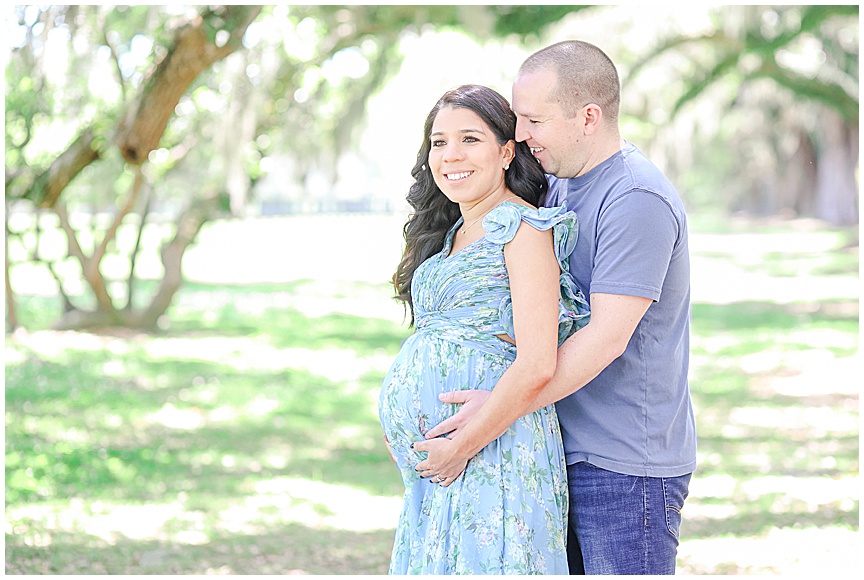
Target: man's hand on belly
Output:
[{"x": 471, "y": 401}]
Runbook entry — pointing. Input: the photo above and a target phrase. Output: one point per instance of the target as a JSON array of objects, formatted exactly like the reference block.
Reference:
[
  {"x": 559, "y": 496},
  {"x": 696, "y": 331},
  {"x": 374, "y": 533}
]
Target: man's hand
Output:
[
  {"x": 443, "y": 462},
  {"x": 471, "y": 401}
]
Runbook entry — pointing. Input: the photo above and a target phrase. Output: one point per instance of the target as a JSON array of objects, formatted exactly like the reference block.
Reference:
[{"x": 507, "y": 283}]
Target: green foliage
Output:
[
  {"x": 751, "y": 50},
  {"x": 307, "y": 114},
  {"x": 529, "y": 19}
]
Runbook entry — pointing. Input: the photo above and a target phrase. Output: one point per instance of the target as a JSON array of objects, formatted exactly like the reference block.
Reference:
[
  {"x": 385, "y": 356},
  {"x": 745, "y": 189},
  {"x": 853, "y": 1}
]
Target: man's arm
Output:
[{"x": 582, "y": 357}]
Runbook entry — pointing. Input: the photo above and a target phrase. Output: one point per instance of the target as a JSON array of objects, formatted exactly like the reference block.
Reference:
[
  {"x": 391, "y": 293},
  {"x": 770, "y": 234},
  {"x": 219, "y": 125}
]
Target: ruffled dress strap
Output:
[{"x": 501, "y": 225}]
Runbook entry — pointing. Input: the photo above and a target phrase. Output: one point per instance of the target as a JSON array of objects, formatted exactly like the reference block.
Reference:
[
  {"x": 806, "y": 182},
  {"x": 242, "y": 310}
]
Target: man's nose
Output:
[{"x": 522, "y": 133}]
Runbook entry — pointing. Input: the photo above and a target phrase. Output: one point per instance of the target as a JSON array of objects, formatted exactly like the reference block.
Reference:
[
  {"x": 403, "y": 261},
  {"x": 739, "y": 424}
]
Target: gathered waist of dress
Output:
[{"x": 463, "y": 328}]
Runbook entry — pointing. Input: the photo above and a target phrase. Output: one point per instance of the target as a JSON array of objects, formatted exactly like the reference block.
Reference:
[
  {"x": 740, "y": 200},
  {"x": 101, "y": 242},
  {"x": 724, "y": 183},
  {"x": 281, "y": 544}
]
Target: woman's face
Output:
[{"x": 466, "y": 160}]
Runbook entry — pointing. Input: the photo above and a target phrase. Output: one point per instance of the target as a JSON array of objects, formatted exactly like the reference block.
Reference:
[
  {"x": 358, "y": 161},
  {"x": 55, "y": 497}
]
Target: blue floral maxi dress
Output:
[{"x": 507, "y": 513}]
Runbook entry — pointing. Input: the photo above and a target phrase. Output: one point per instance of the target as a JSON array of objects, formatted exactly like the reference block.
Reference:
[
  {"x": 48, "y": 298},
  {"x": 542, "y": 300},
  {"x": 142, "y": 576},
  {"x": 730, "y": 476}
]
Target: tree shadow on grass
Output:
[
  {"x": 756, "y": 523},
  {"x": 285, "y": 326},
  {"x": 171, "y": 426},
  {"x": 291, "y": 329},
  {"x": 288, "y": 549},
  {"x": 754, "y": 315},
  {"x": 770, "y": 453}
]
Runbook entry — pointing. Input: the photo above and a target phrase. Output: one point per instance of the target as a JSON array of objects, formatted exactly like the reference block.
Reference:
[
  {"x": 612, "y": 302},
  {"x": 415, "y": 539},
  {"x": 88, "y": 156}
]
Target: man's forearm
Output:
[{"x": 582, "y": 357}]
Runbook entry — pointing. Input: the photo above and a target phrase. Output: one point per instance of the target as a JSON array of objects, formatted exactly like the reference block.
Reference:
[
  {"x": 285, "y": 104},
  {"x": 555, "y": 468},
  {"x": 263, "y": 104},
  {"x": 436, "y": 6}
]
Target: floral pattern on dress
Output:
[{"x": 507, "y": 512}]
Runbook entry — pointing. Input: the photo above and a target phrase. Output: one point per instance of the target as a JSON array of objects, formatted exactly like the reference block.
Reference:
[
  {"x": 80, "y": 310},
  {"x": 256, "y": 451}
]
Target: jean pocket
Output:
[
  {"x": 673, "y": 520},
  {"x": 675, "y": 490}
]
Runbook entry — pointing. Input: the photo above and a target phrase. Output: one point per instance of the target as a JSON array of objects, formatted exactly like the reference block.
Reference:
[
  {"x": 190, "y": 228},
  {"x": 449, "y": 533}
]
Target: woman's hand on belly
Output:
[
  {"x": 389, "y": 450},
  {"x": 443, "y": 462}
]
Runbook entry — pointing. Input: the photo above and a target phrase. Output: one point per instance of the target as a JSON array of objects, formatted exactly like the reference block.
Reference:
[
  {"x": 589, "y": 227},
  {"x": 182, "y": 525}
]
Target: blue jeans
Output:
[{"x": 623, "y": 524}]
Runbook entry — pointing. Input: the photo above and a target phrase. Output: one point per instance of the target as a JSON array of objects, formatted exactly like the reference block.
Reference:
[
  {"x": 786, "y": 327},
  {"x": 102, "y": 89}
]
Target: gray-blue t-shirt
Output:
[{"x": 636, "y": 416}]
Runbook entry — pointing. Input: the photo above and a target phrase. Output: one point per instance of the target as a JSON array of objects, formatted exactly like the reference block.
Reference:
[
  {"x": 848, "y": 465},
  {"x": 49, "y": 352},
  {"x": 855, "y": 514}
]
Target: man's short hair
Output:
[{"x": 585, "y": 75}]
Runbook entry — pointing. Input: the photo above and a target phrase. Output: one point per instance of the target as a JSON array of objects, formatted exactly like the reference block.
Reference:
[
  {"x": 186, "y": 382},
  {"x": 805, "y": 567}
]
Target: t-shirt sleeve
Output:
[{"x": 636, "y": 235}]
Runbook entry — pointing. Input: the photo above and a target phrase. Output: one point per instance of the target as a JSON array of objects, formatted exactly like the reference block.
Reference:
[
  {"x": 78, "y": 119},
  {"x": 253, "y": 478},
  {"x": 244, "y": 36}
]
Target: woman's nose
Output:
[{"x": 452, "y": 152}]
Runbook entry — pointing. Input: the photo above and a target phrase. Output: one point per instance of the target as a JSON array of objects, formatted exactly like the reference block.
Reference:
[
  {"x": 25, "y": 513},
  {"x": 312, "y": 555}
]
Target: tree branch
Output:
[
  {"x": 830, "y": 94},
  {"x": 48, "y": 185},
  {"x": 137, "y": 184},
  {"x": 115, "y": 58},
  {"x": 89, "y": 267},
  {"x": 191, "y": 53},
  {"x": 133, "y": 259}
]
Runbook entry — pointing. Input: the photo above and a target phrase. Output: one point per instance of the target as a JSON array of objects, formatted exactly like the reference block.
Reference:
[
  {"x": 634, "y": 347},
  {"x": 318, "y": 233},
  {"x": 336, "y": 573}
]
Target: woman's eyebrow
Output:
[{"x": 460, "y": 130}]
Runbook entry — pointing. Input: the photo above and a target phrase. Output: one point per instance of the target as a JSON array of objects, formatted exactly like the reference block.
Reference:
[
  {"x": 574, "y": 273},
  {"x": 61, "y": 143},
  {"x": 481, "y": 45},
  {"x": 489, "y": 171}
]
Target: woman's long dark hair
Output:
[{"x": 434, "y": 214}]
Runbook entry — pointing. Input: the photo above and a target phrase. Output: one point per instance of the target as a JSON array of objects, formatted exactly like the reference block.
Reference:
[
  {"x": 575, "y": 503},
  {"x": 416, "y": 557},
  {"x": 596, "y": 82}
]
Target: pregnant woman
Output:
[{"x": 486, "y": 279}]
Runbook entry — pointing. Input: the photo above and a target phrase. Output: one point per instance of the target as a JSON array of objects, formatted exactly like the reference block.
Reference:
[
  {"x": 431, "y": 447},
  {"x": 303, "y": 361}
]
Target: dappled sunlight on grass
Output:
[
  {"x": 334, "y": 364},
  {"x": 808, "y": 552},
  {"x": 58, "y": 345},
  {"x": 280, "y": 549},
  {"x": 775, "y": 376},
  {"x": 788, "y": 493},
  {"x": 271, "y": 502},
  {"x": 174, "y": 418},
  {"x": 818, "y": 421},
  {"x": 777, "y": 266},
  {"x": 812, "y": 491},
  {"x": 108, "y": 522},
  {"x": 169, "y": 440},
  {"x": 816, "y": 374},
  {"x": 311, "y": 298},
  {"x": 316, "y": 504}
]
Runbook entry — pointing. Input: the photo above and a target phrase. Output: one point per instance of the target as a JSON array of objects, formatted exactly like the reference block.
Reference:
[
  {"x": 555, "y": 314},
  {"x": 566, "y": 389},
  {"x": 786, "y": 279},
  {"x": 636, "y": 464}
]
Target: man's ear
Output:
[{"x": 592, "y": 115}]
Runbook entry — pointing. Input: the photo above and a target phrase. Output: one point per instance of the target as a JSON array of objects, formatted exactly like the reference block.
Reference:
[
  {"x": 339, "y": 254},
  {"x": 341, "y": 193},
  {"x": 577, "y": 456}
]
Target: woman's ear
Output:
[{"x": 509, "y": 152}]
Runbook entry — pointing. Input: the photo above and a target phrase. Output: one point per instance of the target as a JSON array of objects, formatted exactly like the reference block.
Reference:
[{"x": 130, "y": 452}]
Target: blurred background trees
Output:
[
  {"x": 128, "y": 127},
  {"x": 783, "y": 81}
]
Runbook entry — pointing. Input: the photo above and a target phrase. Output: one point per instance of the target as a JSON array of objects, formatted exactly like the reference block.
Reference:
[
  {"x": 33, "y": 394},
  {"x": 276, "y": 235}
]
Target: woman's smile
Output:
[{"x": 458, "y": 176}]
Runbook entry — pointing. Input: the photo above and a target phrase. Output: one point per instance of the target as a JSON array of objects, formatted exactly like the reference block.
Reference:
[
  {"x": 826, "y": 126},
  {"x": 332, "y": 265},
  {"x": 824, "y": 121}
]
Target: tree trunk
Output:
[
  {"x": 836, "y": 190},
  {"x": 11, "y": 318},
  {"x": 805, "y": 163},
  {"x": 188, "y": 226}
]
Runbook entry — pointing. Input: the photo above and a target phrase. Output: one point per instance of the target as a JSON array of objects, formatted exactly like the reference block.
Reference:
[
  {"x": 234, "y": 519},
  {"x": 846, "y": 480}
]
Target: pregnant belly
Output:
[{"x": 426, "y": 367}]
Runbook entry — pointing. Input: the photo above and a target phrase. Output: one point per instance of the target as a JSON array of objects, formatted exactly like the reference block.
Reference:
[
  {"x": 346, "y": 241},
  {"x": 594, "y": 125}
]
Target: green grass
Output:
[
  {"x": 82, "y": 429},
  {"x": 243, "y": 438}
]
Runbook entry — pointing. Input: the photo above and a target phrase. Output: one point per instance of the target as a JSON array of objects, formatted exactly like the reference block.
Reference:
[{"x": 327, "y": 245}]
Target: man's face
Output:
[{"x": 555, "y": 140}]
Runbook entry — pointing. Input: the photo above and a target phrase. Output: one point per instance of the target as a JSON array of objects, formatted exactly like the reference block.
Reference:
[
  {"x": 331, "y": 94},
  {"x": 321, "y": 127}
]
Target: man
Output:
[{"x": 621, "y": 382}]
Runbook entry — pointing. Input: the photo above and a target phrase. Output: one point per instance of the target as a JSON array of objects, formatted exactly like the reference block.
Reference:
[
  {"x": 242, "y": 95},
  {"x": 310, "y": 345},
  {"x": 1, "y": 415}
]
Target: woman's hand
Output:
[
  {"x": 444, "y": 462},
  {"x": 389, "y": 450}
]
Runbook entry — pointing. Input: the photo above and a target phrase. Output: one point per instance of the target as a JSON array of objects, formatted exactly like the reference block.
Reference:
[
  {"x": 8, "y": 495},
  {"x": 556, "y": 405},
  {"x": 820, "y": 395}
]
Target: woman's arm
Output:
[{"x": 533, "y": 271}]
